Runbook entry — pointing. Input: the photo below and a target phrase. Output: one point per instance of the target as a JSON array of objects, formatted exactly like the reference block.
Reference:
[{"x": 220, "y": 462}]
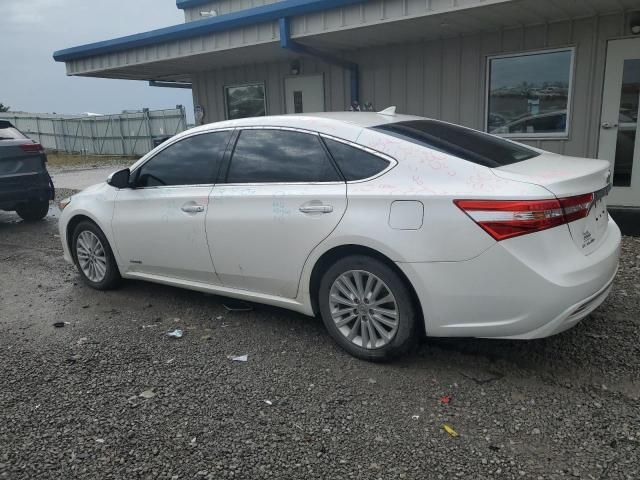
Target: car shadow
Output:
[
  {"x": 587, "y": 348},
  {"x": 11, "y": 219}
]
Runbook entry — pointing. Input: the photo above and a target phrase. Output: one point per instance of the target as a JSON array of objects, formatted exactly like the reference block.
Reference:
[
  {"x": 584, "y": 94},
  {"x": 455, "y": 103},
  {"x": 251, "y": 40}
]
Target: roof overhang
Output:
[
  {"x": 251, "y": 36},
  {"x": 181, "y": 69},
  {"x": 230, "y": 21}
]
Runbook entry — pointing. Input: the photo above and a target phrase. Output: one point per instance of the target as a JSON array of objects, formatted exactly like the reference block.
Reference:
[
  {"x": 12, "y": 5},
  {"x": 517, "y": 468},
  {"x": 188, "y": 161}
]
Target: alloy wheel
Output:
[
  {"x": 364, "y": 309},
  {"x": 91, "y": 255}
]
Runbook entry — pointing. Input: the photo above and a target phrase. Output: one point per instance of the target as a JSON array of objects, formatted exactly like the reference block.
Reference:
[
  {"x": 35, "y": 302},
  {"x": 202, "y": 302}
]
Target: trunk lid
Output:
[
  {"x": 569, "y": 177},
  {"x": 15, "y": 161}
]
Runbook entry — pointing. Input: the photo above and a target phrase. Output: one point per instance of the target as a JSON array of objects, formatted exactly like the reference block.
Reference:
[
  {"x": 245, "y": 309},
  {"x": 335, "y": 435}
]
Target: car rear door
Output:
[
  {"x": 281, "y": 196},
  {"x": 159, "y": 224}
]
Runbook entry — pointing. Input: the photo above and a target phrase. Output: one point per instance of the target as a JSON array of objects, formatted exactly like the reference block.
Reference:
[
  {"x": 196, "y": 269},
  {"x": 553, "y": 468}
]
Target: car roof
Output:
[
  {"x": 361, "y": 119},
  {"x": 321, "y": 121}
]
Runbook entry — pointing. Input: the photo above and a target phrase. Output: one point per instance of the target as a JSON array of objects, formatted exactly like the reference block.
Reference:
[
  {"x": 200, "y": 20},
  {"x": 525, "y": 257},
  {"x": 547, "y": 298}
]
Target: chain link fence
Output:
[{"x": 127, "y": 134}]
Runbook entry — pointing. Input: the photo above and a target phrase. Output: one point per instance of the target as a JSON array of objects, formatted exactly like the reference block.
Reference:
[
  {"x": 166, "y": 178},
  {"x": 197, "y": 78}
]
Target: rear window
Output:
[
  {"x": 21, "y": 165},
  {"x": 471, "y": 145},
  {"x": 9, "y": 132}
]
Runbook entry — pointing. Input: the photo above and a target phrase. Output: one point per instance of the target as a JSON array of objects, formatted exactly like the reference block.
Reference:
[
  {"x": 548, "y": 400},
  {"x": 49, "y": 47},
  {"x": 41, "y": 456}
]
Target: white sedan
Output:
[{"x": 387, "y": 226}]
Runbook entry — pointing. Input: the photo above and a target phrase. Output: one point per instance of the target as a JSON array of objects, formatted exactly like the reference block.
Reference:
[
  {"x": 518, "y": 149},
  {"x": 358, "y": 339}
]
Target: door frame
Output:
[
  {"x": 284, "y": 89},
  {"x": 252, "y": 187},
  {"x": 616, "y": 52}
]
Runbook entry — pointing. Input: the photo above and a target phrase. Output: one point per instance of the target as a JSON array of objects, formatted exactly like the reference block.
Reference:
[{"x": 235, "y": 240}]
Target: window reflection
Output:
[
  {"x": 192, "y": 161},
  {"x": 630, "y": 91},
  {"x": 628, "y": 123},
  {"x": 529, "y": 94},
  {"x": 283, "y": 156},
  {"x": 355, "y": 164},
  {"x": 461, "y": 142},
  {"x": 245, "y": 101}
]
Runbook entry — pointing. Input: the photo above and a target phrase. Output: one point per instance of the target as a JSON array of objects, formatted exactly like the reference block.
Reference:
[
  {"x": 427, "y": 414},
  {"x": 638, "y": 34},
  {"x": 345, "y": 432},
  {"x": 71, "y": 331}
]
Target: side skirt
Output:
[{"x": 288, "y": 303}]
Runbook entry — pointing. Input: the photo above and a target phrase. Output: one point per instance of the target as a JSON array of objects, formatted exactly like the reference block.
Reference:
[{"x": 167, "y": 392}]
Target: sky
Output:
[{"x": 31, "y": 30}]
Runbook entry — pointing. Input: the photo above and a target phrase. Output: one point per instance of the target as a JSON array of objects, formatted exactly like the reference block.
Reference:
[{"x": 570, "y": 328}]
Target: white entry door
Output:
[
  {"x": 304, "y": 94},
  {"x": 619, "y": 131}
]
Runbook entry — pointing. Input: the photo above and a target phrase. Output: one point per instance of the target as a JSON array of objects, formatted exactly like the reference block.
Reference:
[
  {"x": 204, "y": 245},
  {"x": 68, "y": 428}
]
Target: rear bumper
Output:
[
  {"x": 570, "y": 317},
  {"x": 522, "y": 288},
  {"x": 18, "y": 189}
]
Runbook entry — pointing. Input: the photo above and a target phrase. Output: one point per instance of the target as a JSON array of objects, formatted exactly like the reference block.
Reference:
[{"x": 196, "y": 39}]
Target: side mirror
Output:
[{"x": 119, "y": 179}]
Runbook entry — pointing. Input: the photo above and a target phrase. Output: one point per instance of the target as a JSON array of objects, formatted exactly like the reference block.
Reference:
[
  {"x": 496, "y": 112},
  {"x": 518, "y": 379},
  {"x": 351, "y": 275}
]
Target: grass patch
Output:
[{"x": 77, "y": 160}]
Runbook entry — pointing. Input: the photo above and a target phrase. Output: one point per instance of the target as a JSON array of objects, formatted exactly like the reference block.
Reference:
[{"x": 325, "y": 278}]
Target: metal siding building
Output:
[{"x": 427, "y": 57}]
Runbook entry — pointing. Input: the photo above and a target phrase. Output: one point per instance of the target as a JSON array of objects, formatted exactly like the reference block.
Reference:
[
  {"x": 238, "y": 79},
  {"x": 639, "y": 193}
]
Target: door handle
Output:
[
  {"x": 608, "y": 125},
  {"x": 316, "y": 209},
  {"x": 192, "y": 208}
]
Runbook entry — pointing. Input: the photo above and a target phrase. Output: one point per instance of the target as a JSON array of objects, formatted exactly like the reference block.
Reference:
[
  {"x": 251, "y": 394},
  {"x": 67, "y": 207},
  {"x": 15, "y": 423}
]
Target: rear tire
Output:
[
  {"x": 94, "y": 258},
  {"x": 33, "y": 211},
  {"x": 367, "y": 308}
]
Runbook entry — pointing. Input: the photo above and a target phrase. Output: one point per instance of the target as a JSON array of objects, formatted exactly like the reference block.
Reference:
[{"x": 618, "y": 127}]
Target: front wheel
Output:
[
  {"x": 367, "y": 308},
  {"x": 32, "y": 211},
  {"x": 94, "y": 258}
]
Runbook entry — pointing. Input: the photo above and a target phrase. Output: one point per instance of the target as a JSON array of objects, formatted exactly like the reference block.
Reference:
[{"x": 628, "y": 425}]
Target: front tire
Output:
[
  {"x": 94, "y": 258},
  {"x": 367, "y": 308},
  {"x": 33, "y": 211}
]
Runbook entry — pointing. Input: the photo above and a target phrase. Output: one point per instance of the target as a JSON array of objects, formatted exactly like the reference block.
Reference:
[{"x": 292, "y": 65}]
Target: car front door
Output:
[
  {"x": 280, "y": 197},
  {"x": 159, "y": 223}
]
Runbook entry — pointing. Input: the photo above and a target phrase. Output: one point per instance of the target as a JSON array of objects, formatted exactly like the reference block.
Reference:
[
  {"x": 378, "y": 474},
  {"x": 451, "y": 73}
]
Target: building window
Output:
[
  {"x": 529, "y": 95},
  {"x": 247, "y": 100}
]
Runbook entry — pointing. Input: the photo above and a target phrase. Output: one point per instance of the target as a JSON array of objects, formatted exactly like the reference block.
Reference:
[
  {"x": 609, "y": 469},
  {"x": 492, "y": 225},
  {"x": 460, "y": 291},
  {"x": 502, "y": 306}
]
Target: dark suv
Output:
[{"x": 25, "y": 184}]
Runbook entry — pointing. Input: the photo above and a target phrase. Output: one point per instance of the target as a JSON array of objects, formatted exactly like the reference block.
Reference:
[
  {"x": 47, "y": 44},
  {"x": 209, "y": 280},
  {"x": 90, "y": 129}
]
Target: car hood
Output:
[{"x": 96, "y": 187}]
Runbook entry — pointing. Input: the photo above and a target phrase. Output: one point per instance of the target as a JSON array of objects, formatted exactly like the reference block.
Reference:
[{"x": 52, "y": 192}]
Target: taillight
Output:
[
  {"x": 32, "y": 148},
  {"x": 504, "y": 219},
  {"x": 576, "y": 208}
]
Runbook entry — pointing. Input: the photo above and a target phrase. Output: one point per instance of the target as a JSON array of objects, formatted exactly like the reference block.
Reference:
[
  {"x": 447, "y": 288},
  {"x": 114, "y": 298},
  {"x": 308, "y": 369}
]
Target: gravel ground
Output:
[
  {"x": 71, "y": 404},
  {"x": 63, "y": 193}
]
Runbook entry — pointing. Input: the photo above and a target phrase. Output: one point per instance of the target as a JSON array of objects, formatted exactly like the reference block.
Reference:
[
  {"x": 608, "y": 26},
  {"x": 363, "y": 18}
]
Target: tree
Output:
[{"x": 3, "y": 108}]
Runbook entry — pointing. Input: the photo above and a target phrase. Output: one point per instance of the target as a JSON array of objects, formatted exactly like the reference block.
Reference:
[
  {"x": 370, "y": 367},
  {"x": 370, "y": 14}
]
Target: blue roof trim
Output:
[
  {"x": 251, "y": 16},
  {"x": 182, "y": 4}
]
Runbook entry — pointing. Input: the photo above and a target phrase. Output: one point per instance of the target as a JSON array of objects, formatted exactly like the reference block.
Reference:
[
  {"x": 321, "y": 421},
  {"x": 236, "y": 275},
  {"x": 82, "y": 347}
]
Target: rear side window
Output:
[
  {"x": 471, "y": 145},
  {"x": 191, "y": 161},
  {"x": 280, "y": 156},
  {"x": 354, "y": 163},
  {"x": 9, "y": 132}
]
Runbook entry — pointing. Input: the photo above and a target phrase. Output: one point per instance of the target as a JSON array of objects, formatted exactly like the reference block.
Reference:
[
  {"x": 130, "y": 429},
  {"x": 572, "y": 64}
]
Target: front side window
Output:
[
  {"x": 529, "y": 95},
  {"x": 280, "y": 156},
  {"x": 191, "y": 161},
  {"x": 245, "y": 101},
  {"x": 354, "y": 163}
]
